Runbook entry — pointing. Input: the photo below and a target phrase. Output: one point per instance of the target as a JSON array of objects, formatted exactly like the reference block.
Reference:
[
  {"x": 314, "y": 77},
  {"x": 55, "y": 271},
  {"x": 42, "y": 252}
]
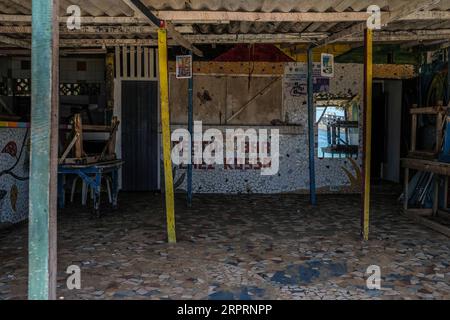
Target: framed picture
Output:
[
  {"x": 184, "y": 67},
  {"x": 327, "y": 65}
]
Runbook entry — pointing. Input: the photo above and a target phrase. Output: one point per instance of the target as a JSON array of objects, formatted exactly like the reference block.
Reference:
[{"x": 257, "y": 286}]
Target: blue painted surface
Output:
[
  {"x": 190, "y": 129},
  {"x": 40, "y": 285},
  {"x": 311, "y": 121}
]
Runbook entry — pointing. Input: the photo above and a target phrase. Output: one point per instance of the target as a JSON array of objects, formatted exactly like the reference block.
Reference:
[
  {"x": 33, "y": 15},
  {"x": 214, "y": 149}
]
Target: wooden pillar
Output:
[
  {"x": 367, "y": 130},
  {"x": 406, "y": 190},
  {"x": 78, "y": 129},
  {"x": 165, "y": 125},
  {"x": 311, "y": 121},
  {"x": 448, "y": 76},
  {"x": 190, "y": 129},
  {"x": 44, "y": 150},
  {"x": 413, "y": 130},
  {"x": 110, "y": 81}
]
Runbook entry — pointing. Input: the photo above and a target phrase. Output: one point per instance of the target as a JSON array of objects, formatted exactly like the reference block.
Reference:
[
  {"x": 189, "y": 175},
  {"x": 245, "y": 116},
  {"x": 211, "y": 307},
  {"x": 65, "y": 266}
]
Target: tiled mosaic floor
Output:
[{"x": 239, "y": 247}]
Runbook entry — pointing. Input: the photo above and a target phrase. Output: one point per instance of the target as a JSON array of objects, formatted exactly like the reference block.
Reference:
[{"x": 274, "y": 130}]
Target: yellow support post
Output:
[
  {"x": 165, "y": 124},
  {"x": 368, "y": 35}
]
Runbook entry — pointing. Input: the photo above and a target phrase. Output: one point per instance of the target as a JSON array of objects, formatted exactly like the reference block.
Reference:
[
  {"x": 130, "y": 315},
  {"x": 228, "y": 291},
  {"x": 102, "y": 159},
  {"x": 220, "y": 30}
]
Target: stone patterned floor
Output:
[{"x": 238, "y": 247}]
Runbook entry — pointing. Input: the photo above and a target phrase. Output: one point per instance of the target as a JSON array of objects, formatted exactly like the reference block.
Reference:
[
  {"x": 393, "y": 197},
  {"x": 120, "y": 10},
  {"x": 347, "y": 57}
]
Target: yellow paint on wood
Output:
[
  {"x": 394, "y": 71},
  {"x": 298, "y": 52},
  {"x": 380, "y": 71},
  {"x": 216, "y": 67},
  {"x": 165, "y": 124},
  {"x": 368, "y": 69}
]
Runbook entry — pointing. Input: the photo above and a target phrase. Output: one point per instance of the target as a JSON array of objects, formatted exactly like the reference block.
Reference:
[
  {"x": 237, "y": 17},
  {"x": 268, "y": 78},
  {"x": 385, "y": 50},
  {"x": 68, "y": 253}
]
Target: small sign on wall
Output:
[
  {"x": 327, "y": 65},
  {"x": 184, "y": 67}
]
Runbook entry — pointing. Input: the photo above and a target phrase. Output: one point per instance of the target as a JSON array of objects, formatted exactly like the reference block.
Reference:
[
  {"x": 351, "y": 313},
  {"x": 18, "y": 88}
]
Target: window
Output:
[{"x": 338, "y": 129}]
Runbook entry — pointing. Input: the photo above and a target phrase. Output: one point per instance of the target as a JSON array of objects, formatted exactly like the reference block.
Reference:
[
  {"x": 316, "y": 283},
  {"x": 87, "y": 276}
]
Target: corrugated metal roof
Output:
[
  {"x": 278, "y": 5},
  {"x": 118, "y": 8}
]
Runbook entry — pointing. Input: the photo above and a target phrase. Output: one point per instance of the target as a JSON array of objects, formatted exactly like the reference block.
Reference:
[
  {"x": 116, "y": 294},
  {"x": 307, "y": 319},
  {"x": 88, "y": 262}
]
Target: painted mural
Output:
[{"x": 14, "y": 174}]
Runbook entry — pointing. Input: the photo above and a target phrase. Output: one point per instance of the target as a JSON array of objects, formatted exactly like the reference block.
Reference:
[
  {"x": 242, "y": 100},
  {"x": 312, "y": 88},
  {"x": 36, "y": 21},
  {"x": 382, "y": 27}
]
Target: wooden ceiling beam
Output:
[
  {"x": 218, "y": 17},
  {"x": 15, "y": 42},
  {"x": 403, "y": 9},
  {"x": 89, "y": 29},
  {"x": 142, "y": 10}
]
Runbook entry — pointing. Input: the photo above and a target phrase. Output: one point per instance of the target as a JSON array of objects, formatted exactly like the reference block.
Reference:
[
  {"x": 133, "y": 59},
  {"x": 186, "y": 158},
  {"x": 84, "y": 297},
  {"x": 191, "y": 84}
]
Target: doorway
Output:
[{"x": 140, "y": 135}]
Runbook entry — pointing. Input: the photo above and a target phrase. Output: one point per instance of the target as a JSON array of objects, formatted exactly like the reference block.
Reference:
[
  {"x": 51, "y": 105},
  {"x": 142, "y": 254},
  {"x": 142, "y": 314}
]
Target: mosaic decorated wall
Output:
[
  {"x": 332, "y": 175},
  {"x": 14, "y": 175}
]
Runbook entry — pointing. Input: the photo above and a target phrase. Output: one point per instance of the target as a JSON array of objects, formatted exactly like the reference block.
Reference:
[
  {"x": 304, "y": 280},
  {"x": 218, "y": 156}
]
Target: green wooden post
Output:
[{"x": 44, "y": 148}]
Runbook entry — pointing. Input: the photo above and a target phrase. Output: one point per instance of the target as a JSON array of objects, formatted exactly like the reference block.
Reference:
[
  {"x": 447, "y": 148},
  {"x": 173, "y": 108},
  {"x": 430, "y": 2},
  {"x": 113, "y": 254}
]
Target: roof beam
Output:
[
  {"x": 187, "y": 16},
  {"x": 226, "y": 16},
  {"x": 383, "y": 36},
  {"x": 110, "y": 30},
  {"x": 141, "y": 9},
  {"x": 206, "y": 17},
  {"x": 217, "y": 17},
  {"x": 402, "y": 11},
  {"x": 15, "y": 42}
]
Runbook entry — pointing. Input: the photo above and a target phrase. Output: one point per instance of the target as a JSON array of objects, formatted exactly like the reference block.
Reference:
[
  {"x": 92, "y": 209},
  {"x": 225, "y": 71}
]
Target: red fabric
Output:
[{"x": 254, "y": 52}]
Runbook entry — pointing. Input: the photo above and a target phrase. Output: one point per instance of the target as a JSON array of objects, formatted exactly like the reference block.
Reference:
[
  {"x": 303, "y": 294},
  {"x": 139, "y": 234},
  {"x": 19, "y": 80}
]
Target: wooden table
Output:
[{"x": 91, "y": 174}]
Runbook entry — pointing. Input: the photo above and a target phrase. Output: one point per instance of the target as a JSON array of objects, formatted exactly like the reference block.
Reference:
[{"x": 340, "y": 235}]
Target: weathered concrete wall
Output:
[{"x": 332, "y": 175}]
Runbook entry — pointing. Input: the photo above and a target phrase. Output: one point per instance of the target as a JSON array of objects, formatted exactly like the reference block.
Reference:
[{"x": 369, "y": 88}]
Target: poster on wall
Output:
[
  {"x": 296, "y": 79},
  {"x": 184, "y": 67},
  {"x": 327, "y": 65}
]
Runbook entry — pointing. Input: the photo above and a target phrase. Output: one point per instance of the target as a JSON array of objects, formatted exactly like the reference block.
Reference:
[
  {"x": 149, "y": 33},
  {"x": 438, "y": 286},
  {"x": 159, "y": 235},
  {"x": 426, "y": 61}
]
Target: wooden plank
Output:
[
  {"x": 406, "y": 189},
  {"x": 183, "y": 16},
  {"x": 445, "y": 192},
  {"x": 78, "y": 129},
  {"x": 407, "y": 8},
  {"x": 165, "y": 125},
  {"x": 259, "y": 94},
  {"x": 181, "y": 40},
  {"x": 14, "y": 42},
  {"x": 146, "y": 62},
  {"x": 216, "y": 16},
  {"x": 367, "y": 131},
  {"x": 44, "y": 151},
  {"x": 109, "y": 80},
  {"x": 436, "y": 167},
  {"x": 124, "y": 62},
  {"x": 141, "y": 9},
  {"x": 152, "y": 64},
  {"x": 132, "y": 60},
  {"x": 139, "y": 62},
  {"x": 413, "y": 129},
  {"x": 427, "y": 110},
  {"x": 436, "y": 195},
  {"x": 117, "y": 57},
  {"x": 96, "y": 29}
]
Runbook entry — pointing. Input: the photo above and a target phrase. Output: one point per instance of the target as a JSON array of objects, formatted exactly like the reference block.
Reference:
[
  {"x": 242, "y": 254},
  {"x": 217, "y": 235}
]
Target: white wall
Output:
[{"x": 393, "y": 89}]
